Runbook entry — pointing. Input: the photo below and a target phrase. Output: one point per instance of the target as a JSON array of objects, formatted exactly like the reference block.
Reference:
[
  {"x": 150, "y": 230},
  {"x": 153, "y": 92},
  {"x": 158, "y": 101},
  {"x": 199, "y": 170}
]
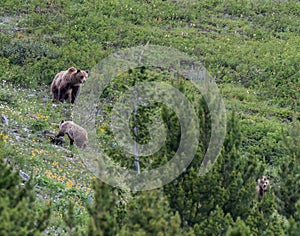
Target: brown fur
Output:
[
  {"x": 66, "y": 85},
  {"x": 75, "y": 133},
  {"x": 263, "y": 185}
]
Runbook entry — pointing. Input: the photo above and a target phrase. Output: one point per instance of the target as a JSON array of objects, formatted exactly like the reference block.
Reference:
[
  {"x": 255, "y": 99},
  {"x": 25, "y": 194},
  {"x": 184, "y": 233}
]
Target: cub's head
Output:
[
  {"x": 80, "y": 76},
  {"x": 64, "y": 124},
  {"x": 61, "y": 124},
  {"x": 263, "y": 184}
]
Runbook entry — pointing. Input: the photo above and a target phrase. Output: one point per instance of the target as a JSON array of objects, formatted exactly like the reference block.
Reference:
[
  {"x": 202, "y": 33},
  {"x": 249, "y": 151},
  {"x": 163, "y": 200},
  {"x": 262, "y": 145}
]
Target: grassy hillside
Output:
[{"x": 252, "y": 48}]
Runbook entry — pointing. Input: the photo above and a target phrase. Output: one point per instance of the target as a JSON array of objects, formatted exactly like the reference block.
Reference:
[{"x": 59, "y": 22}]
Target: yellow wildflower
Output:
[
  {"x": 42, "y": 116},
  {"x": 102, "y": 130},
  {"x": 4, "y": 137},
  {"x": 69, "y": 184},
  {"x": 54, "y": 164}
]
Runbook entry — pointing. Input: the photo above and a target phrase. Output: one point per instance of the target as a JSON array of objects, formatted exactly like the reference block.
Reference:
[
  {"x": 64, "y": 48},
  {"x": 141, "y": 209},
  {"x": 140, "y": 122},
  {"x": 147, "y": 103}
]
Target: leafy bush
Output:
[
  {"x": 23, "y": 50},
  {"x": 39, "y": 125},
  {"x": 20, "y": 214},
  {"x": 30, "y": 61},
  {"x": 251, "y": 47}
]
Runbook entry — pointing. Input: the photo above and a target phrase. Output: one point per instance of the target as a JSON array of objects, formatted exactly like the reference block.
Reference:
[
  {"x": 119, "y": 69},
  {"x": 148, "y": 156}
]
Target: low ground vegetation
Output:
[{"x": 250, "y": 47}]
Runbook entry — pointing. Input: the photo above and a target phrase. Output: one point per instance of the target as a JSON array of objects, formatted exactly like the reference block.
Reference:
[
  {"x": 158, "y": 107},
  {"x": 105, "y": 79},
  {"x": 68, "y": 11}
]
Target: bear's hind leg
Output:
[{"x": 55, "y": 94}]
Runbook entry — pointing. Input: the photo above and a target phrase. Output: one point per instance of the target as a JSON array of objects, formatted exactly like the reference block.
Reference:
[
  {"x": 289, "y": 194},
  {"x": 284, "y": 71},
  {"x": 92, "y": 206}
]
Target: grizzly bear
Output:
[
  {"x": 263, "y": 185},
  {"x": 66, "y": 85},
  {"x": 75, "y": 133}
]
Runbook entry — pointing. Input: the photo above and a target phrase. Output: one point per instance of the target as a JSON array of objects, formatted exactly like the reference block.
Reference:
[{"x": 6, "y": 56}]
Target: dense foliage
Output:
[
  {"x": 250, "y": 47},
  {"x": 20, "y": 213}
]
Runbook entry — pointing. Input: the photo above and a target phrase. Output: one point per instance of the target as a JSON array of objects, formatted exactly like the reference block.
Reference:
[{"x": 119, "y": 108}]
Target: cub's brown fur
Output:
[
  {"x": 75, "y": 133},
  {"x": 263, "y": 185},
  {"x": 66, "y": 85}
]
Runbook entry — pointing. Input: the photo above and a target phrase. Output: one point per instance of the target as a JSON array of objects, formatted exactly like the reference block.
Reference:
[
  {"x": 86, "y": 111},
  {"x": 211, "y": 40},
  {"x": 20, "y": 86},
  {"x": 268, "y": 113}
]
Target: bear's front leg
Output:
[
  {"x": 71, "y": 138},
  {"x": 75, "y": 93},
  {"x": 69, "y": 97},
  {"x": 60, "y": 134}
]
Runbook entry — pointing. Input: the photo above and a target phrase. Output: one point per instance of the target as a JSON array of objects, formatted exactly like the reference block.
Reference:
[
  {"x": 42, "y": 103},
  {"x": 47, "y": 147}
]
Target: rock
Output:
[
  {"x": 53, "y": 138},
  {"x": 24, "y": 176},
  {"x": 4, "y": 119},
  {"x": 26, "y": 130},
  {"x": 7, "y": 161},
  {"x": 16, "y": 134},
  {"x": 32, "y": 115}
]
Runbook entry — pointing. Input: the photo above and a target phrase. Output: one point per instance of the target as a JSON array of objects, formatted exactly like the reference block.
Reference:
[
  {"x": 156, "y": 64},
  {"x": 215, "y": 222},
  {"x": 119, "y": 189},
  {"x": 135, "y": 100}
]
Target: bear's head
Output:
[{"x": 80, "y": 76}]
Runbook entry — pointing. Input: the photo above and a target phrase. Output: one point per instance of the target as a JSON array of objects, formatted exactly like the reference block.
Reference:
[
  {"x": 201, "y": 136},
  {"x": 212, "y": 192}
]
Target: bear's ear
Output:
[
  {"x": 78, "y": 71},
  {"x": 87, "y": 71},
  {"x": 62, "y": 121},
  {"x": 72, "y": 69}
]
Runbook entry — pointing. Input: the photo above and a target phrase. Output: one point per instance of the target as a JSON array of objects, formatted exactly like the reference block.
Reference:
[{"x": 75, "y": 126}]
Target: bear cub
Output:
[
  {"x": 66, "y": 85},
  {"x": 263, "y": 184},
  {"x": 75, "y": 133}
]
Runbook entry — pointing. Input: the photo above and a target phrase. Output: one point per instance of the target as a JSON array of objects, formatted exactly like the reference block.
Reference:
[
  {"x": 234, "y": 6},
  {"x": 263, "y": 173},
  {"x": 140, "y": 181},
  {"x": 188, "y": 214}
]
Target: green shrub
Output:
[
  {"x": 39, "y": 125},
  {"x": 19, "y": 212},
  {"x": 20, "y": 51}
]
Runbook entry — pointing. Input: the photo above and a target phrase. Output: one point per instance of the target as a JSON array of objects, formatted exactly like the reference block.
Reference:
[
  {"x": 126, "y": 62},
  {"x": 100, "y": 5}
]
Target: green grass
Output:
[
  {"x": 251, "y": 47},
  {"x": 60, "y": 174}
]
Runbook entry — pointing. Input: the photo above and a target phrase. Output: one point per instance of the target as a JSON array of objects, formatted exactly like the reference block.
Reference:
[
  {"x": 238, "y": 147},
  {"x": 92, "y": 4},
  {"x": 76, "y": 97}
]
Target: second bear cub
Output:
[{"x": 75, "y": 133}]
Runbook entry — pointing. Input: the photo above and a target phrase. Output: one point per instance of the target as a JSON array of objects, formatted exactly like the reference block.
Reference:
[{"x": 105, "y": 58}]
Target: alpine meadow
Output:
[{"x": 251, "y": 51}]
